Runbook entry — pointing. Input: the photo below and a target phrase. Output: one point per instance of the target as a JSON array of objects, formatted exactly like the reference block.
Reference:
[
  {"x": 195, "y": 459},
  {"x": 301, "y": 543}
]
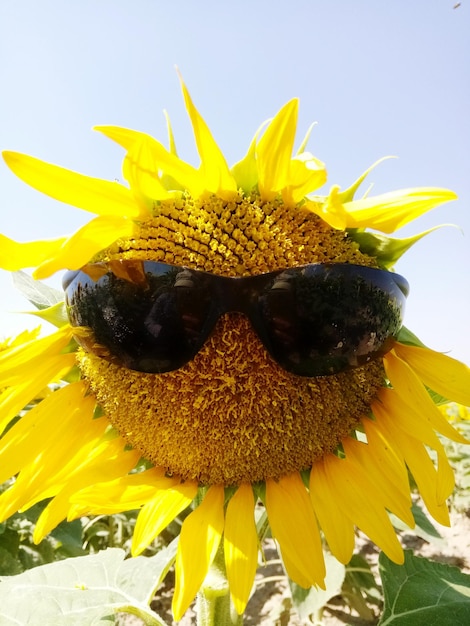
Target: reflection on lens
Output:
[
  {"x": 320, "y": 323},
  {"x": 314, "y": 320}
]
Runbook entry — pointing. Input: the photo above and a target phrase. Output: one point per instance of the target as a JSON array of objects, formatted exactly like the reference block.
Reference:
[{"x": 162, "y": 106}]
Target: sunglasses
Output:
[{"x": 314, "y": 320}]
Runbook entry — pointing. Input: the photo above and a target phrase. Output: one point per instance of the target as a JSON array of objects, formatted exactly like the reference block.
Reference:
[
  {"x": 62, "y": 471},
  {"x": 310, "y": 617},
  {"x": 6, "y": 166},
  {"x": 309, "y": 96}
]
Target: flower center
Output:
[{"x": 232, "y": 414}]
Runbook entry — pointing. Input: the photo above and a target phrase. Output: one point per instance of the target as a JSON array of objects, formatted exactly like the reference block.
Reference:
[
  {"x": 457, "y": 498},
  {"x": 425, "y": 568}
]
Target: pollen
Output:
[{"x": 232, "y": 414}]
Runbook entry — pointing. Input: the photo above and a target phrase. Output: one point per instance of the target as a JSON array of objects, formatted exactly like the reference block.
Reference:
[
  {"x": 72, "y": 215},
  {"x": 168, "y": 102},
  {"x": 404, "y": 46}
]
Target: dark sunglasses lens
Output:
[
  {"x": 321, "y": 320},
  {"x": 145, "y": 316}
]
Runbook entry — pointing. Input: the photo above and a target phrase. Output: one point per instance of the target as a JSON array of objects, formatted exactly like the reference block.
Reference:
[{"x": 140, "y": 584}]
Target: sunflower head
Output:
[{"x": 224, "y": 268}]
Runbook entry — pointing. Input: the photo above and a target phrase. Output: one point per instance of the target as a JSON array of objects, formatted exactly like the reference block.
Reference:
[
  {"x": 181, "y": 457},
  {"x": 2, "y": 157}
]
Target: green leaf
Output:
[
  {"x": 421, "y": 592},
  {"x": 39, "y": 294},
  {"x": 387, "y": 250},
  {"x": 85, "y": 591},
  {"x": 8, "y": 563},
  {"x": 308, "y": 601},
  {"x": 360, "y": 587},
  {"x": 69, "y": 535},
  {"x": 426, "y": 529},
  {"x": 423, "y": 529}
]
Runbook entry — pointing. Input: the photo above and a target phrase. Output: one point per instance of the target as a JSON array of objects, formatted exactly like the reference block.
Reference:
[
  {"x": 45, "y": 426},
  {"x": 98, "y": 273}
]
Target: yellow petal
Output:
[
  {"x": 352, "y": 487},
  {"x": 241, "y": 545},
  {"x": 439, "y": 372},
  {"x": 53, "y": 470},
  {"x": 128, "y": 492},
  {"x": 417, "y": 459},
  {"x": 306, "y": 174},
  {"x": 23, "y": 337},
  {"x": 90, "y": 194},
  {"x": 330, "y": 209},
  {"x": 295, "y": 527},
  {"x": 140, "y": 171},
  {"x": 245, "y": 172},
  {"x": 382, "y": 489},
  {"x": 198, "y": 544},
  {"x": 274, "y": 150},
  {"x": 13, "y": 400},
  {"x": 413, "y": 419},
  {"x": 390, "y": 211},
  {"x": 26, "y": 369},
  {"x": 158, "y": 512},
  {"x": 46, "y": 444},
  {"x": 110, "y": 462},
  {"x": 15, "y": 255},
  {"x": 384, "y": 456},
  {"x": 296, "y": 574},
  {"x": 85, "y": 243},
  {"x": 412, "y": 391},
  {"x": 337, "y": 527},
  {"x": 18, "y": 357},
  {"x": 214, "y": 168},
  {"x": 157, "y": 159}
]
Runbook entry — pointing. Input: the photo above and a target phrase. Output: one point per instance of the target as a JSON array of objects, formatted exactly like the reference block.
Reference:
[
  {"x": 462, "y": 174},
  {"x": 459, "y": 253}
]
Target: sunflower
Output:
[{"x": 236, "y": 410}]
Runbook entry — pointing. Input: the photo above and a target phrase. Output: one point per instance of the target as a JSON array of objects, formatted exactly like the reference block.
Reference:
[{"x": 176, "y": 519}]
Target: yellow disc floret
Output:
[
  {"x": 232, "y": 414},
  {"x": 242, "y": 237}
]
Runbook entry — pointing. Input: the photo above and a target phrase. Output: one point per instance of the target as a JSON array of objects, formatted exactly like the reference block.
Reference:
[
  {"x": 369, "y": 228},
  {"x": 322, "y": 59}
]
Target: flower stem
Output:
[{"x": 213, "y": 604}]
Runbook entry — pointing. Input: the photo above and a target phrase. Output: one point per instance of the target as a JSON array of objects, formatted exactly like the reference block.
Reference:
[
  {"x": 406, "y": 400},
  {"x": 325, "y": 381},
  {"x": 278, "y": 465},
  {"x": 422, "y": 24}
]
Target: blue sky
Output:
[{"x": 381, "y": 78}]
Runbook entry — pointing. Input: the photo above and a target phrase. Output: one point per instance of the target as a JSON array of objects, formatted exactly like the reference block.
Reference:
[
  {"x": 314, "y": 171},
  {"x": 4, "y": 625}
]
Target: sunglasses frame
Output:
[{"x": 371, "y": 299}]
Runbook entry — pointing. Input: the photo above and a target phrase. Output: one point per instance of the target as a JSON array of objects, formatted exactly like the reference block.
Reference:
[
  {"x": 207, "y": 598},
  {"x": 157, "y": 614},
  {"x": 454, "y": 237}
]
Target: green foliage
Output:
[
  {"x": 423, "y": 529},
  {"x": 459, "y": 456},
  {"x": 360, "y": 589},
  {"x": 308, "y": 602},
  {"x": 38, "y": 293},
  {"x": 85, "y": 590},
  {"x": 87, "y": 535},
  {"x": 387, "y": 250},
  {"x": 49, "y": 302},
  {"x": 420, "y": 592},
  {"x": 18, "y": 552},
  {"x": 76, "y": 576}
]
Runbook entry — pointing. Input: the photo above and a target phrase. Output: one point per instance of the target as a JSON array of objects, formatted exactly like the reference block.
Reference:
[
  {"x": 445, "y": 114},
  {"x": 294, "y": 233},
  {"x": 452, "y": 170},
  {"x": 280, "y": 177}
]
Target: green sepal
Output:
[
  {"x": 98, "y": 412},
  {"x": 259, "y": 490},
  {"x": 305, "y": 476},
  {"x": 408, "y": 338},
  {"x": 73, "y": 375},
  {"x": 348, "y": 194},
  {"x": 229, "y": 492},
  {"x": 387, "y": 250},
  {"x": 55, "y": 314}
]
